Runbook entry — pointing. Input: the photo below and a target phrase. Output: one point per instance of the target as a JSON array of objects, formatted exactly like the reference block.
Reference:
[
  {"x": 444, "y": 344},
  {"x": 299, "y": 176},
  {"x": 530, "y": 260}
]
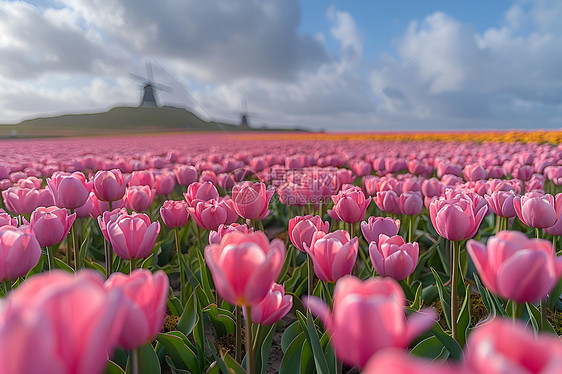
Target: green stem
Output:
[
  {"x": 257, "y": 338},
  {"x": 516, "y": 309},
  {"x": 538, "y": 233},
  {"x": 199, "y": 238},
  {"x": 250, "y": 362},
  {"x": 411, "y": 229},
  {"x": 310, "y": 274},
  {"x": 135, "y": 361},
  {"x": 75, "y": 244},
  {"x": 108, "y": 257},
  {"x": 543, "y": 307},
  {"x": 4, "y": 288},
  {"x": 454, "y": 279},
  {"x": 50, "y": 257},
  {"x": 339, "y": 366},
  {"x": 133, "y": 265},
  {"x": 180, "y": 263},
  {"x": 238, "y": 347}
]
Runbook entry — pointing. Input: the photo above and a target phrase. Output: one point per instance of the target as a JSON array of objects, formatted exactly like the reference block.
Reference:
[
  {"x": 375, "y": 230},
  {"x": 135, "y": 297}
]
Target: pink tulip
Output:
[
  {"x": 109, "y": 216},
  {"x": 251, "y": 200},
  {"x": 185, "y": 174},
  {"x": 432, "y": 187},
  {"x": 174, "y": 213},
  {"x": 379, "y": 225},
  {"x": 502, "y": 347},
  {"x": 51, "y": 225},
  {"x": 393, "y": 257},
  {"x": 132, "y": 236},
  {"x": 398, "y": 361},
  {"x": 456, "y": 219},
  {"x": 215, "y": 237},
  {"x": 474, "y": 172},
  {"x": 99, "y": 206},
  {"x": 25, "y": 200},
  {"x": 68, "y": 322},
  {"x": 410, "y": 203},
  {"x": 302, "y": 228},
  {"x": 387, "y": 201},
  {"x": 333, "y": 255},
  {"x": 142, "y": 178},
  {"x": 6, "y": 219},
  {"x": 201, "y": 191},
  {"x": 535, "y": 209},
  {"x": 208, "y": 215},
  {"x": 350, "y": 205},
  {"x": 144, "y": 304},
  {"x": 515, "y": 267},
  {"x": 273, "y": 307},
  {"x": 244, "y": 266},
  {"x": 139, "y": 198},
  {"x": 165, "y": 183},
  {"x": 69, "y": 190},
  {"x": 231, "y": 214},
  {"x": 31, "y": 182},
  {"x": 19, "y": 252},
  {"x": 367, "y": 317},
  {"x": 501, "y": 203},
  {"x": 109, "y": 185},
  {"x": 556, "y": 229}
]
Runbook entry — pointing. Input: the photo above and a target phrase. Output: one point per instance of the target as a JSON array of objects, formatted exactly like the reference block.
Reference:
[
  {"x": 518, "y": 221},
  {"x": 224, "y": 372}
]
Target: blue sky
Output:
[{"x": 334, "y": 65}]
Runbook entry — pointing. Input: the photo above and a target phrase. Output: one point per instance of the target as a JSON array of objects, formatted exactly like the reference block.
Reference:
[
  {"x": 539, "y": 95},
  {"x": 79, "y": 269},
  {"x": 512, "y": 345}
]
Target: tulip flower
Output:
[
  {"x": 51, "y": 225},
  {"x": 165, "y": 183},
  {"x": 393, "y": 257},
  {"x": 302, "y": 228},
  {"x": 185, "y": 174},
  {"x": 455, "y": 219},
  {"x": 132, "y": 236},
  {"x": 273, "y": 307},
  {"x": 69, "y": 190},
  {"x": 535, "y": 209},
  {"x": 333, "y": 255},
  {"x": 350, "y": 205},
  {"x": 174, "y": 213},
  {"x": 367, "y": 317},
  {"x": 109, "y": 185},
  {"x": 474, "y": 172},
  {"x": 99, "y": 206},
  {"x": 379, "y": 225},
  {"x": 208, "y": 215},
  {"x": 215, "y": 237},
  {"x": 501, "y": 203},
  {"x": 144, "y": 304},
  {"x": 35, "y": 320},
  {"x": 251, "y": 200},
  {"x": 139, "y": 198},
  {"x": 25, "y": 200},
  {"x": 19, "y": 252},
  {"x": 410, "y": 203},
  {"x": 201, "y": 191},
  {"x": 502, "y": 346},
  {"x": 6, "y": 219},
  {"x": 387, "y": 201},
  {"x": 142, "y": 178},
  {"x": 556, "y": 229},
  {"x": 432, "y": 187},
  {"x": 244, "y": 266},
  {"x": 516, "y": 267}
]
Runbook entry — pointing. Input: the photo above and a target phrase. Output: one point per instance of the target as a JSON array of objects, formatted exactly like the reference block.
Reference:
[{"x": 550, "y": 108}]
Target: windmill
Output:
[
  {"x": 244, "y": 116},
  {"x": 149, "y": 88}
]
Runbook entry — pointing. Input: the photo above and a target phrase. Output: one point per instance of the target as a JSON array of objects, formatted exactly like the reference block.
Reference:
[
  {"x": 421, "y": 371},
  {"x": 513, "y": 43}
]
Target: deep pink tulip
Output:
[
  {"x": 144, "y": 304},
  {"x": 215, "y": 237},
  {"x": 501, "y": 203},
  {"x": 350, "y": 205},
  {"x": 51, "y": 225},
  {"x": 535, "y": 209},
  {"x": 244, "y": 266},
  {"x": 6, "y": 219},
  {"x": 185, "y": 174},
  {"x": 109, "y": 185},
  {"x": 456, "y": 219},
  {"x": 398, "y": 361},
  {"x": 208, "y": 215},
  {"x": 69, "y": 190},
  {"x": 379, "y": 225},
  {"x": 410, "y": 203},
  {"x": 25, "y": 200},
  {"x": 333, "y": 255},
  {"x": 251, "y": 200},
  {"x": 556, "y": 229},
  {"x": 393, "y": 257},
  {"x": 139, "y": 198},
  {"x": 19, "y": 252},
  {"x": 201, "y": 191},
  {"x": 501, "y": 346},
  {"x": 174, "y": 213},
  {"x": 273, "y": 307},
  {"x": 132, "y": 236},
  {"x": 36, "y": 318},
  {"x": 387, "y": 201},
  {"x": 516, "y": 267},
  {"x": 302, "y": 228},
  {"x": 165, "y": 183},
  {"x": 142, "y": 178},
  {"x": 367, "y": 317}
]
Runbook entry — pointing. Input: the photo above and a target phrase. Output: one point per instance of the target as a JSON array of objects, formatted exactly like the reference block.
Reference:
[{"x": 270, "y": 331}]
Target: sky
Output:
[{"x": 324, "y": 65}]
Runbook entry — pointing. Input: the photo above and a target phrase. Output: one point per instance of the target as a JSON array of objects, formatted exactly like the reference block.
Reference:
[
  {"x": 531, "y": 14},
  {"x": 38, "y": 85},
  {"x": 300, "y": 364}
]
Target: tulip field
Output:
[{"x": 282, "y": 253}]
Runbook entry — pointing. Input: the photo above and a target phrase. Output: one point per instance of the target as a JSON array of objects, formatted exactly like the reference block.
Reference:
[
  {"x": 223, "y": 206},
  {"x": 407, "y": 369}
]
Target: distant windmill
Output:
[
  {"x": 149, "y": 88},
  {"x": 244, "y": 124}
]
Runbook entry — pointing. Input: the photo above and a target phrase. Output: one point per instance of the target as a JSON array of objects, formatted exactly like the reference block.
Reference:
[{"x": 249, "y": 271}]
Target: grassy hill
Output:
[{"x": 119, "y": 120}]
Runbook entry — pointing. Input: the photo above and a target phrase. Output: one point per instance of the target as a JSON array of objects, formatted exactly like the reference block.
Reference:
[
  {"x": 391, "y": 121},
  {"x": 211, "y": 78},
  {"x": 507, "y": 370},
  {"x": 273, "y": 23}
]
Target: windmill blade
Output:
[
  {"x": 149, "y": 73},
  {"x": 137, "y": 77},
  {"x": 162, "y": 87}
]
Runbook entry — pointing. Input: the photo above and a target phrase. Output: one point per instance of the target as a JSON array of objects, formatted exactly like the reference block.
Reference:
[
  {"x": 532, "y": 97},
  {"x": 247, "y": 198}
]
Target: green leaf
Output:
[
  {"x": 484, "y": 294},
  {"x": 113, "y": 368},
  {"x": 463, "y": 320},
  {"x": 202, "y": 297},
  {"x": 452, "y": 346},
  {"x": 444, "y": 297},
  {"x": 182, "y": 356},
  {"x": 555, "y": 294},
  {"x": 63, "y": 266},
  {"x": 149, "y": 360},
  {"x": 188, "y": 318},
  {"x": 94, "y": 266},
  {"x": 418, "y": 303},
  {"x": 37, "y": 268},
  {"x": 290, "y": 334},
  {"x": 174, "y": 304},
  {"x": 429, "y": 348},
  {"x": 535, "y": 319},
  {"x": 223, "y": 320},
  {"x": 298, "y": 277},
  {"x": 291, "y": 362},
  {"x": 319, "y": 357},
  {"x": 173, "y": 367},
  {"x": 205, "y": 282},
  {"x": 265, "y": 340}
]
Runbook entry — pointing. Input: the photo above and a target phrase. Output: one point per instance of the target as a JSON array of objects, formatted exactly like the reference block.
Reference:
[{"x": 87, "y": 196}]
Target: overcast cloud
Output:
[{"x": 440, "y": 73}]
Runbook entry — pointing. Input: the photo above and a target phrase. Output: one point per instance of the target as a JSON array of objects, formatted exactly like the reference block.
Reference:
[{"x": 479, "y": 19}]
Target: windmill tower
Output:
[{"x": 149, "y": 88}]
